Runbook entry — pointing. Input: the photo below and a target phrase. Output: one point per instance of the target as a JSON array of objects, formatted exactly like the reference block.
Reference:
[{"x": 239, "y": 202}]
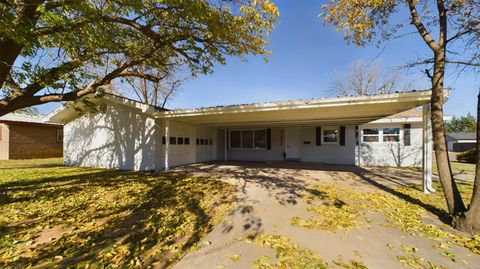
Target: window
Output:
[
  {"x": 330, "y": 136},
  {"x": 187, "y": 140},
  {"x": 235, "y": 139},
  {"x": 371, "y": 135},
  {"x": 391, "y": 134},
  {"x": 260, "y": 139},
  {"x": 59, "y": 135},
  {"x": 180, "y": 140},
  {"x": 173, "y": 140},
  {"x": 248, "y": 139}
]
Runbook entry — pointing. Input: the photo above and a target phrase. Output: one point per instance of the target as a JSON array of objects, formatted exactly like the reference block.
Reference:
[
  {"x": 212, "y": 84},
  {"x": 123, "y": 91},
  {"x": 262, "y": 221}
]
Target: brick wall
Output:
[{"x": 29, "y": 141}]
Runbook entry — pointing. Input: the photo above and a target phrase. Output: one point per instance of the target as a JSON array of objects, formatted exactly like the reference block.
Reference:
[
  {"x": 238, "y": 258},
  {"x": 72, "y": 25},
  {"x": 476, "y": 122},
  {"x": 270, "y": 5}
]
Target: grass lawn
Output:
[
  {"x": 52, "y": 215},
  {"x": 459, "y": 167}
]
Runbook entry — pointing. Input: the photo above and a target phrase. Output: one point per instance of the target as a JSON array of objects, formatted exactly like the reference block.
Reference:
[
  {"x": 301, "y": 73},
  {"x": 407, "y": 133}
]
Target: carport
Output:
[{"x": 352, "y": 111}]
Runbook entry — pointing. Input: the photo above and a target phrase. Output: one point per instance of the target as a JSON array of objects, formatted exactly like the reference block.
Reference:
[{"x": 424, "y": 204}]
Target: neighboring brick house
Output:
[{"x": 28, "y": 137}]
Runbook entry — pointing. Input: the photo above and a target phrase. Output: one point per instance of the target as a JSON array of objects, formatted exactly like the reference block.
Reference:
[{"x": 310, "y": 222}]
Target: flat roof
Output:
[
  {"x": 340, "y": 110},
  {"x": 353, "y": 110}
]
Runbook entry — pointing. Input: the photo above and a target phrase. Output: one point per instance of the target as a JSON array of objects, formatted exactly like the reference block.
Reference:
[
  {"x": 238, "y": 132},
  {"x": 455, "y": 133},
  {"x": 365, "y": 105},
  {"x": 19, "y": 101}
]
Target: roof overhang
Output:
[
  {"x": 72, "y": 110},
  {"x": 352, "y": 110}
]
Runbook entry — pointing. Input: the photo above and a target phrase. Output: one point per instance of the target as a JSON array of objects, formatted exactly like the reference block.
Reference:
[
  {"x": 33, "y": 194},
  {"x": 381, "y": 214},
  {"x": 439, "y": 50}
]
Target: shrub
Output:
[{"x": 469, "y": 156}]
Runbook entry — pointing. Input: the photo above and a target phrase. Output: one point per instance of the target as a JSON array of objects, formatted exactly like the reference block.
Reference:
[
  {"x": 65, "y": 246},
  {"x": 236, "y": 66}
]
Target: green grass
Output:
[
  {"x": 57, "y": 216},
  {"x": 458, "y": 168}
]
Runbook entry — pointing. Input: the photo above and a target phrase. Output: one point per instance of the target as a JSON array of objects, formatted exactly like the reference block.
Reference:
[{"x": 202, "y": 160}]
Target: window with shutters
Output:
[
  {"x": 371, "y": 135},
  {"x": 330, "y": 135},
  {"x": 391, "y": 134},
  {"x": 381, "y": 135},
  {"x": 255, "y": 139}
]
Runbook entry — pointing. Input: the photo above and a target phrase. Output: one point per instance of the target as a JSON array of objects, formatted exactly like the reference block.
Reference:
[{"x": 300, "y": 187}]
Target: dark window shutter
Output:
[
  {"x": 356, "y": 135},
  {"x": 342, "y": 135},
  {"x": 269, "y": 138},
  {"x": 318, "y": 136},
  {"x": 164, "y": 140},
  {"x": 406, "y": 134}
]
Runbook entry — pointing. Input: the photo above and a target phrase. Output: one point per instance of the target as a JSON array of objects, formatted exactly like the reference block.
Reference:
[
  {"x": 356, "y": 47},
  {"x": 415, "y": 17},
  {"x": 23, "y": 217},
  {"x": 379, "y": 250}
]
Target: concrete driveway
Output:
[{"x": 270, "y": 194}]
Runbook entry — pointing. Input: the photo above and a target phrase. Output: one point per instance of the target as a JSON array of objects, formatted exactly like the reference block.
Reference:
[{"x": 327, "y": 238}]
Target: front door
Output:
[{"x": 292, "y": 138}]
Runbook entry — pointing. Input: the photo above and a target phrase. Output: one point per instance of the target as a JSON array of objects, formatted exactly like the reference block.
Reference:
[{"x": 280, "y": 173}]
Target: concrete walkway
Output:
[{"x": 270, "y": 194}]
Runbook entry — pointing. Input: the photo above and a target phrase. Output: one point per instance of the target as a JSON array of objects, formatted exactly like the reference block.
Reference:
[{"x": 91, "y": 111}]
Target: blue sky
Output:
[{"x": 305, "y": 56}]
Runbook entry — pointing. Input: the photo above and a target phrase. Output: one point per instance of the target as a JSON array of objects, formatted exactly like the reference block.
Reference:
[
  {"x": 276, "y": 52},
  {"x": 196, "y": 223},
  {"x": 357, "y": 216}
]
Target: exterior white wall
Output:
[
  {"x": 185, "y": 154},
  {"x": 309, "y": 151},
  {"x": 118, "y": 138},
  {"x": 4, "y": 142},
  {"x": 378, "y": 153},
  {"x": 125, "y": 138},
  {"x": 393, "y": 153},
  {"x": 328, "y": 153}
]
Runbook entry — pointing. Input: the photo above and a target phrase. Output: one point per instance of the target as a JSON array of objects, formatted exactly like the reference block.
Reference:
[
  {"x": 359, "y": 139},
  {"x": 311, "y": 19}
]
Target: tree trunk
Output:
[
  {"x": 452, "y": 195},
  {"x": 470, "y": 221}
]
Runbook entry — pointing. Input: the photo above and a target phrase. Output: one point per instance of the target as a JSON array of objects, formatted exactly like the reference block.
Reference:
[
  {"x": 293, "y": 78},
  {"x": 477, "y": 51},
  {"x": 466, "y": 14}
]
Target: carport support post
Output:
[
  {"x": 167, "y": 144},
  {"x": 225, "y": 152},
  {"x": 427, "y": 150},
  {"x": 359, "y": 147}
]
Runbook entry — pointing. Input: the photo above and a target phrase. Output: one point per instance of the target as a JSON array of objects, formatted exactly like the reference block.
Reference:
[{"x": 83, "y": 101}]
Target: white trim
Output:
[
  {"x": 406, "y": 119},
  {"x": 167, "y": 144}
]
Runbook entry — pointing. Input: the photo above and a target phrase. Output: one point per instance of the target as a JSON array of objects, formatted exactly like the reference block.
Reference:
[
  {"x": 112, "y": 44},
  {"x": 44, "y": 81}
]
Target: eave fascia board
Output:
[{"x": 421, "y": 97}]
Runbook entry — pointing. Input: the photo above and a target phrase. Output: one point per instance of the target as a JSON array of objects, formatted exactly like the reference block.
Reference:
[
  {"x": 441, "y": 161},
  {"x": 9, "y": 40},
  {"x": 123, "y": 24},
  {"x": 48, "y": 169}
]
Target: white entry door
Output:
[{"x": 292, "y": 143}]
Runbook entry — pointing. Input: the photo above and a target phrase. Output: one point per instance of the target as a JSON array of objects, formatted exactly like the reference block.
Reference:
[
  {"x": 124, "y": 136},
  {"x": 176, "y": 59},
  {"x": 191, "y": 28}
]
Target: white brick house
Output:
[{"x": 363, "y": 130}]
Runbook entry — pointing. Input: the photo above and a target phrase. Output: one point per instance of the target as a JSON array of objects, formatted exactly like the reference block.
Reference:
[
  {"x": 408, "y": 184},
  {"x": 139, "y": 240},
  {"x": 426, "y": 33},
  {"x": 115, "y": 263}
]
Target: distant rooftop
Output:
[
  {"x": 23, "y": 118},
  {"x": 461, "y": 136}
]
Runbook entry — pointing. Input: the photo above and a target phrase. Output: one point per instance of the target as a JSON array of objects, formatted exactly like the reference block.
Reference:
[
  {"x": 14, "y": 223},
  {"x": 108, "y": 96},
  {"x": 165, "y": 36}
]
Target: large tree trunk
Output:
[
  {"x": 470, "y": 221},
  {"x": 452, "y": 195}
]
